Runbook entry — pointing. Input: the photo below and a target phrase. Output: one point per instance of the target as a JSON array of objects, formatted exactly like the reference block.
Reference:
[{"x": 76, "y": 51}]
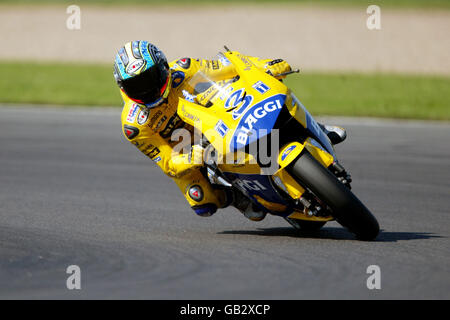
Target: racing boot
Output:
[
  {"x": 244, "y": 205},
  {"x": 335, "y": 134}
]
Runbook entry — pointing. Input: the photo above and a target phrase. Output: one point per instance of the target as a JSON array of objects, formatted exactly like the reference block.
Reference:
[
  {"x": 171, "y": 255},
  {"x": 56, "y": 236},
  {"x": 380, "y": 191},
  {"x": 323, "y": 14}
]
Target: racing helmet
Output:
[{"x": 142, "y": 73}]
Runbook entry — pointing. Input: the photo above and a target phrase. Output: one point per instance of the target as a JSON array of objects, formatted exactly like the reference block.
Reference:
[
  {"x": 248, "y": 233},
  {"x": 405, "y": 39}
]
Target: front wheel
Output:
[{"x": 345, "y": 206}]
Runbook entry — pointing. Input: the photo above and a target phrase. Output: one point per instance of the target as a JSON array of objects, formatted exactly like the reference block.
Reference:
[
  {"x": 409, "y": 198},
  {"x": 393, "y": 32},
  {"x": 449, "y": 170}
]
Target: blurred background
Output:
[{"x": 400, "y": 70}]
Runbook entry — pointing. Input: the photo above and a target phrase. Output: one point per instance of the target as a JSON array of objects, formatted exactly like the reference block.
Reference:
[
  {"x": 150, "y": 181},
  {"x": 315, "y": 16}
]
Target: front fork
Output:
[
  {"x": 310, "y": 208},
  {"x": 342, "y": 175}
]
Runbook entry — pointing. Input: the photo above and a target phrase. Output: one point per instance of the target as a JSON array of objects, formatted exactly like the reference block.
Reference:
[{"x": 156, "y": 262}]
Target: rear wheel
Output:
[{"x": 345, "y": 206}]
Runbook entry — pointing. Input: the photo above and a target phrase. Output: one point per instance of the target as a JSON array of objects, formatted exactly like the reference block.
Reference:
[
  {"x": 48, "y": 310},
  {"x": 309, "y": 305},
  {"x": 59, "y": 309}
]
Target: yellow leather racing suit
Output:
[{"x": 150, "y": 130}]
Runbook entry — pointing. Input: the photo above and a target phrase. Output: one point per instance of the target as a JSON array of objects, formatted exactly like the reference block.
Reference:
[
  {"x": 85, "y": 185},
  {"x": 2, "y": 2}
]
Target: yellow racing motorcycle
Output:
[{"x": 260, "y": 139}]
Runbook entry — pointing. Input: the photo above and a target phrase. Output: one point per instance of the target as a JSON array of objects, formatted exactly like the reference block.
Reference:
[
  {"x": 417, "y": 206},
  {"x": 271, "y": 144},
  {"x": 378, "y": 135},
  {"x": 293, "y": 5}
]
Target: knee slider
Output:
[{"x": 205, "y": 210}]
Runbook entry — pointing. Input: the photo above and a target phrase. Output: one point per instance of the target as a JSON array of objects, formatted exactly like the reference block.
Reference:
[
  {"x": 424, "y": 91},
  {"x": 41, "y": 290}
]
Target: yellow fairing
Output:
[
  {"x": 240, "y": 162},
  {"x": 211, "y": 110},
  {"x": 322, "y": 156},
  {"x": 290, "y": 151},
  {"x": 296, "y": 110},
  {"x": 205, "y": 118}
]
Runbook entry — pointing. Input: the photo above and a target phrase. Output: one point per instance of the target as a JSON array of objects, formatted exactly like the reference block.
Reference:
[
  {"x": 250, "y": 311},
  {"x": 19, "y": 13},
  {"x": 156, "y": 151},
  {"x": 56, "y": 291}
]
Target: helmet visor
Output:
[{"x": 147, "y": 87}]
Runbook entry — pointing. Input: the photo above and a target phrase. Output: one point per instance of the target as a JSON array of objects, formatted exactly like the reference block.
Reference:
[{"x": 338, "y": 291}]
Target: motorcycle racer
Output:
[{"x": 150, "y": 88}]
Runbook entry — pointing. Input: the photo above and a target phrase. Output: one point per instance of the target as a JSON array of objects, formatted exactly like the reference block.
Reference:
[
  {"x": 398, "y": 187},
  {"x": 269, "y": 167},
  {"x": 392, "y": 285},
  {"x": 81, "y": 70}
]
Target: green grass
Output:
[
  {"x": 58, "y": 83},
  {"x": 374, "y": 95},
  {"x": 361, "y": 3},
  {"x": 380, "y": 95}
]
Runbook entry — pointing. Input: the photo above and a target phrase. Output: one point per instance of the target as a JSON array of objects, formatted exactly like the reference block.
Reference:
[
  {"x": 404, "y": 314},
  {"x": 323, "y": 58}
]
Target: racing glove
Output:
[
  {"x": 276, "y": 67},
  {"x": 182, "y": 164}
]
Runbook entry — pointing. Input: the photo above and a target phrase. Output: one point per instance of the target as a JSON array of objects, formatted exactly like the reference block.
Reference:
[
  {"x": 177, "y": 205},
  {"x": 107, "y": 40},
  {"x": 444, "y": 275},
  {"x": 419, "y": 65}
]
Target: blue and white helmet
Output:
[{"x": 142, "y": 72}]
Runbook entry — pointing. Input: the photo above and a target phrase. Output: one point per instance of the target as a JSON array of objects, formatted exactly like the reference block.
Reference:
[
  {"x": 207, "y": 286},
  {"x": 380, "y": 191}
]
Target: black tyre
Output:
[{"x": 346, "y": 207}]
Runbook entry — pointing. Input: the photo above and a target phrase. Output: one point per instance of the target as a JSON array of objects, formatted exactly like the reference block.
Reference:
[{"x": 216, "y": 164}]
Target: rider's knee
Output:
[
  {"x": 201, "y": 202},
  {"x": 199, "y": 194}
]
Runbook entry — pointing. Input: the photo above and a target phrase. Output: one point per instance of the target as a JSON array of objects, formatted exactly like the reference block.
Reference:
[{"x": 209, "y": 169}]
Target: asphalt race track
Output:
[{"x": 74, "y": 192}]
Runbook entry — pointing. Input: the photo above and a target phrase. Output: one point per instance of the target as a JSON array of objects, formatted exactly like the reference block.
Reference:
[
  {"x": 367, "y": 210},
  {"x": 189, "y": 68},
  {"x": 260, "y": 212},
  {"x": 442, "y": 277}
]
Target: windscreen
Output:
[{"x": 204, "y": 88}]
